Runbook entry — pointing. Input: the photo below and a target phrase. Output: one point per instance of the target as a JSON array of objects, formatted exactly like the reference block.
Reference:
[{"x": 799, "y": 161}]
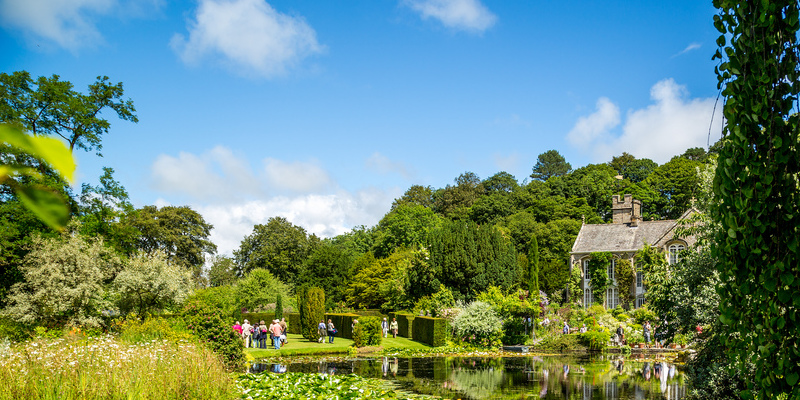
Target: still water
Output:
[{"x": 533, "y": 377}]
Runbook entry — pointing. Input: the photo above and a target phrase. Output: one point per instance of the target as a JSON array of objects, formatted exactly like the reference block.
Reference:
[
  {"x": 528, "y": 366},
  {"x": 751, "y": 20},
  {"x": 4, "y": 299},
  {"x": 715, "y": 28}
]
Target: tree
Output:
[
  {"x": 453, "y": 202},
  {"x": 222, "y": 271},
  {"x": 279, "y": 306},
  {"x": 364, "y": 289},
  {"x": 468, "y": 258},
  {"x": 408, "y": 225},
  {"x": 500, "y": 182},
  {"x": 179, "y": 232},
  {"x": 278, "y": 246},
  {"x": 102, "y": 209},
  {"x": 64, "y": 282},
  {"x": 311, "y": 302},
  {"x": 758, "y": 247},
  {"x": 550, "y": 163},
  {"x": 50, "y": 106},
  {"x": 148, "y": 283},
  {"x": 259, "y": 289},
  {"x": 416, "y": 194},
  {"x": 676, "y": 182},
  {"x": 533, "y": 276},
  {"x": 328, "y": 267}
]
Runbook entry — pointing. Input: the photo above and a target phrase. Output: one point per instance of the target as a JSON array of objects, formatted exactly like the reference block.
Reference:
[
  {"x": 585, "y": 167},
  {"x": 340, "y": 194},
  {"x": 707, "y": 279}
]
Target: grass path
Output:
[{"x": 297, "y": 345}]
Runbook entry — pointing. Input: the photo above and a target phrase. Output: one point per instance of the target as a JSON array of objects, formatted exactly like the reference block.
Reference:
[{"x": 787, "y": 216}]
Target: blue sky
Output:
[{"x": 323, "y": 112}]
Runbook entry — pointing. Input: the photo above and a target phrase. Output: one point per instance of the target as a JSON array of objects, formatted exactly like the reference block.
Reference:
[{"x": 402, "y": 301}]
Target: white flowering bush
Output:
[
  {"x": 149, "y": 283},
  {"x": 479, "y": 324}
]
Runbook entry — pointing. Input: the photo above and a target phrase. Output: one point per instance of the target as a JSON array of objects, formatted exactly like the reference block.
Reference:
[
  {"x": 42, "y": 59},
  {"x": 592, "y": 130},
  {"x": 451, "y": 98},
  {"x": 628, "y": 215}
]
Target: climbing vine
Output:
[
  {"x": 756, "y": 184},
  {"x": 625, "y": 275},
  {"x": 598, "y": 275}
]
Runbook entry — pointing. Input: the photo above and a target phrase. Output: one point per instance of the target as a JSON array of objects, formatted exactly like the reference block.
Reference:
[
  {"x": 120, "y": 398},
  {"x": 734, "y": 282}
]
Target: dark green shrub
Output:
[
  {"x": 561, "y": 343},
  {"x": 293, "y": 320},
  {"x": 215, "y": 331},
  {"x": 433, "y": 331},
  {"x": 312, "y": 310},
  {"x": 642, "y": 314},
  {"x": 514, "y": 331},
  {"x": 368, "y": 332},
  {"x": 343, "y": 323},
  {"x": 14, "y": 331}
]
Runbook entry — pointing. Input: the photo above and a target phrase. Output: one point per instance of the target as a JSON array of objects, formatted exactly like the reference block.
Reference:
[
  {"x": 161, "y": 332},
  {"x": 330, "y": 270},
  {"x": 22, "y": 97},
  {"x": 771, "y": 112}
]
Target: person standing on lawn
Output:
[
  {"x": 263, "y": 331},
  {"x": 247, "y": 330},
  {"x": 284, "y": 330},
  {"x": 275, "y": 331},
  {"x": 385, "y": 327},
  {"x": 331, "y": 331},
  {"x": 322, "y": 331},
  {"x": 394, "y": 327}
]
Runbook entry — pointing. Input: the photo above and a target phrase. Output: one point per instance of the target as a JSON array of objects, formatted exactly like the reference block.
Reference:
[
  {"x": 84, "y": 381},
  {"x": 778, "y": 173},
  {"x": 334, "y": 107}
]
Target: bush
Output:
[
  {"x": 640, "y": 315},
  {"x": 590, "y": 322},
  {"x": 215, "y": 331},
  {"x": 368, "y": 332},
  {"x": 514, "y": 331},
  {"x": 560, "y": 343},
  {"x": 479, "y": 325},
  {"x": 14, "y": 331},
  {"x": 622, "y": 317},
  {"x": 433, "y": 331},
  {"x": 133, "y": 330},
  {"x": 595, "y": 339},
  {"x": 312, "y": 310},
  {"x": 597, "y": 309}
]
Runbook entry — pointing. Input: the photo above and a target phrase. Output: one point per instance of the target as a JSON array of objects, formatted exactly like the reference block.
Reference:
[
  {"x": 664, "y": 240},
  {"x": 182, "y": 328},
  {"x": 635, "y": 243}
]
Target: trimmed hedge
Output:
[
  {"x": 292, "y": 320},
  {"x": 343, "y": 323},
  {"x": 432, "y": 331},
  {"x": 405, "y": 323}
]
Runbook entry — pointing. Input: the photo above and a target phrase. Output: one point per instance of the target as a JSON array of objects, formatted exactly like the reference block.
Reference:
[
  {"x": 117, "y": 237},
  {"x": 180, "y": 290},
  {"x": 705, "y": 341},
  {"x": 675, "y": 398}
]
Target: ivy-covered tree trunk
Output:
[{"x": 757, "y": 187}]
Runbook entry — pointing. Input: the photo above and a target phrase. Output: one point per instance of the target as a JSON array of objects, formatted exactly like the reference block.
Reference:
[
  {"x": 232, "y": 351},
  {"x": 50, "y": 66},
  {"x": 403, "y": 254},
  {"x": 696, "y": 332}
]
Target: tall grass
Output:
[{"x": 106, "y": 368}]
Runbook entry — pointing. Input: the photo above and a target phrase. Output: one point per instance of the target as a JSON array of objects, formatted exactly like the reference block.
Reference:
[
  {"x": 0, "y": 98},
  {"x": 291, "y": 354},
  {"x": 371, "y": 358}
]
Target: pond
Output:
[{"x": 534, "y": 377}]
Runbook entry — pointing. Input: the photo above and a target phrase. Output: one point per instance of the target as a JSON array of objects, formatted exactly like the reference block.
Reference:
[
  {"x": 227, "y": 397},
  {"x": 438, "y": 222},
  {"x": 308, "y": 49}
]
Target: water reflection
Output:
[{"x": 603, "y": 377}]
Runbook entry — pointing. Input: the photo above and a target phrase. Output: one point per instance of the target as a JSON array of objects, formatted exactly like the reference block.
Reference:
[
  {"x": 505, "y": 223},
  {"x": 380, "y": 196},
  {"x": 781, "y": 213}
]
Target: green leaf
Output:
[
  {"x": 792, "y": 378},
  {"x": 49, "y": 150},
  {"x": 48, "y": 205}
]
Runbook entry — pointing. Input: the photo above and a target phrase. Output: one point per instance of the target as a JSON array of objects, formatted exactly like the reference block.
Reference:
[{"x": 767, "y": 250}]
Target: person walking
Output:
[
  {"x": 247, "y": 330},
  {"x": 394, "y": 327},
  {"x": 565, "y": 329},
  {"x": 322, "y": 331},
  {"x": 275, "y": 331},
  {"x": 646, "y": 330},
  {"x": 263, "y": 332},
  {"x": 284, "y": 331},
  {"x": 385, "y": 327},
  {"x": 620, "y": 335},
  {"x": 331, "y": 331}
]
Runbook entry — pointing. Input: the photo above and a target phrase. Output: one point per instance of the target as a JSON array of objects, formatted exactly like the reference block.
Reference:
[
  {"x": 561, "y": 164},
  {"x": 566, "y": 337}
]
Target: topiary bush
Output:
[
  {"x": 367, "y": 332},
  {"x": 312, "y": 310},
  {"x": 215, "y": 331}
]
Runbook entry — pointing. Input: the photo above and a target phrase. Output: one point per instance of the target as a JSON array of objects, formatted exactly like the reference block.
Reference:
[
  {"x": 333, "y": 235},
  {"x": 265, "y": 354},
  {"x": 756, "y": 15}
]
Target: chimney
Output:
[{"x": 627, "y": 211}]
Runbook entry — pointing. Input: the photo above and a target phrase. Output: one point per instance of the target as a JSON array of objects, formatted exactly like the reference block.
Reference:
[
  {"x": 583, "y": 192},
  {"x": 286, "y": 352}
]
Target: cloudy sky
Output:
[{"x": 324, "y": 111}]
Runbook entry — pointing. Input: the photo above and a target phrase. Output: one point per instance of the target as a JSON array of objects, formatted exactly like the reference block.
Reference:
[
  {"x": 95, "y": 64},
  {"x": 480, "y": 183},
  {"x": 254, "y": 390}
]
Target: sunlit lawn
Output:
[{"x": 297, "y": 345}]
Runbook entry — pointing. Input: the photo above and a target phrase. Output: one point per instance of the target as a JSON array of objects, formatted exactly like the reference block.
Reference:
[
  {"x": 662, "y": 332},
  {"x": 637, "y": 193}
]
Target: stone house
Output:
[{"x": 626, "y": 235}]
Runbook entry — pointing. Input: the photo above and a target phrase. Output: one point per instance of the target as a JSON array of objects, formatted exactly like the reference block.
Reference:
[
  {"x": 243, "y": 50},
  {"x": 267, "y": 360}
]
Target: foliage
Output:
[
  {"x": 598, "y": 275},
  {"x": 758, "y": 245},
  {"x": 278, "y": 306},
  {"x": 148, "y": 283},
  {"x": 103, "y": 209},
  {"x": 574, "y": 282},
  {"x": 676, "y": 184},
  {"x": 64, "y": 282},
  {"x": 105, "y": 368},
  {"x": 642, "y": 314},
  {"x": 46, "y": 204},
  {"x": 596, "y": 339},
  {"x": 469, "y": 258},
  {"x": 480, "y": 325},
  {"x": 364, "y": 288},
  {"x": 454, "y": 202},
  {"x": 407, "y": 225},
  {"x": 136, "y": 331},
  {"x": 533, "y": 262},
  {"x": 297, "y": 385},
  {"x": 222, "y": 271},
  {"x": 258, "y": 289},
  {"x": 433, "y": 331},
  {"x": 214, "y": 331},
  {"x": 278, "y": 246},
  {"x": 561, "y": 343},
  {"x": 367, "y": 332},
  {"x": 13, "y": 331},
  {"x": 221, "y": 297},
  {"x": 328, "y": 267},
  {"x": 311, "y": 302},
  {"x": 625, "y": 275},
  {"x": 548, "y": 164},
  {"x": 435, "y": 303}
]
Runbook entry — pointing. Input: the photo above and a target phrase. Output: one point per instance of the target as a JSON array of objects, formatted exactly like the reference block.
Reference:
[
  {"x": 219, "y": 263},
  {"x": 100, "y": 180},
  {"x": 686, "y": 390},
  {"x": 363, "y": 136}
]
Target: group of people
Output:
[
  {"x": 386, "y": 327},
  {"x": 255, "y": 336}
]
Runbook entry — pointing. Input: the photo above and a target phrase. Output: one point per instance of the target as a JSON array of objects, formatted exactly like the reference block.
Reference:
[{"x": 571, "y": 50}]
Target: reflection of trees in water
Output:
[{"x": 476, "y": 384}]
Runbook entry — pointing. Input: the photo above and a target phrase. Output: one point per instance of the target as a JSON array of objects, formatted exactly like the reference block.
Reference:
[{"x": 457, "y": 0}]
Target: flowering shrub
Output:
[
  {"x": 596, "y": 340},
  {"x": 480, "y": 325}
]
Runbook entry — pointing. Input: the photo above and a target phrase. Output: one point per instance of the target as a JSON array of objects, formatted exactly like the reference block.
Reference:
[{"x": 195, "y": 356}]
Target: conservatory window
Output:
[
  {"x": 639, "y": 279},
  {"x": 612, "y": 296},
  {"x": 611, "y": 267},
  {"x": 639, "y": 300}
]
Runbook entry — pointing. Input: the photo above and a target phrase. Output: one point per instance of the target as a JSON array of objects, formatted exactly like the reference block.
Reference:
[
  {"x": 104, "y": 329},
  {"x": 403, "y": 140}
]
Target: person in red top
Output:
[
  {"x": 238, "y": 328},
  {"x": 275, "y": 330}
]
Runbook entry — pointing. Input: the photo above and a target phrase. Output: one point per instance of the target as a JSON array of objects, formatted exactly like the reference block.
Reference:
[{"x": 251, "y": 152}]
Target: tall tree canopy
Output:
[
  {"x": 277, "y": 246},
  {"x": 49, "y": 106},
  {"x": 550, "y": 163}
]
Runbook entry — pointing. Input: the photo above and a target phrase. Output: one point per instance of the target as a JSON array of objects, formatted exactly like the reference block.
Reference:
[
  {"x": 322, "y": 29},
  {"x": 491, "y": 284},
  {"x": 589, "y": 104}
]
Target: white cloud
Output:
[
  {"x": 68, "y": 24},
  {"x": 230, "y": 196},
  {"x": 690, "y": 47},
  {"x": 506, "y": 162},
  {"x": 382, "y": 164},
  {"x": 468, "y": 15},
  {"x": 249, "y": 36},
  {"x": 669, "y": 126},
  {"x": 296, "y": 177}
]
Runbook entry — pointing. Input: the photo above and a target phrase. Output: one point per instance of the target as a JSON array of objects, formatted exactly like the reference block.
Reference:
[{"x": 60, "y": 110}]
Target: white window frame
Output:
[
  {"x": 611, "y": 269},
  {"x": 674, "y": 253},
  {"x": 612, "y": 298},
  {"x": 639, "y": 279},
  {"x": 640, "y": 300}
]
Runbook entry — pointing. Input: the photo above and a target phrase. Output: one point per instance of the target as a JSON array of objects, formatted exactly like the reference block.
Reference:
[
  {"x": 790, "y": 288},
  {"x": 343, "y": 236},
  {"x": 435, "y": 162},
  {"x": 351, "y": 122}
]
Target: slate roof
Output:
[{"x": 622, "y": 237}]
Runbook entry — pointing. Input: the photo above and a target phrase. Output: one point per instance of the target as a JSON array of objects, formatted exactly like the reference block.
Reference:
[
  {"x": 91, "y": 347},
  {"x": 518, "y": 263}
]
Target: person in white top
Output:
[{"x": 247, "y": 330}]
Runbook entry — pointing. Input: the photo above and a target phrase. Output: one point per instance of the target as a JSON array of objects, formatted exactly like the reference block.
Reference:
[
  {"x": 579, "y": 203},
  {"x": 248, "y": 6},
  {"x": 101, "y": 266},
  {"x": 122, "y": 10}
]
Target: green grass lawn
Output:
[{"x": 297, "y": 345}]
